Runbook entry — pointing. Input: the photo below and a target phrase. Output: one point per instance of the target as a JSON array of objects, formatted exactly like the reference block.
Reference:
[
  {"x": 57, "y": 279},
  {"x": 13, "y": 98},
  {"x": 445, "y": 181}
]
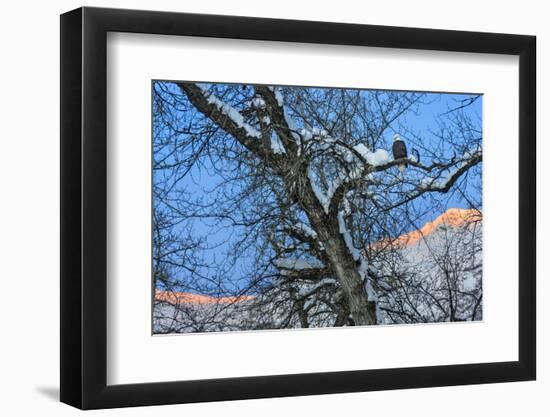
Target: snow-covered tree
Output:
[{"x": 305, "y": 178}]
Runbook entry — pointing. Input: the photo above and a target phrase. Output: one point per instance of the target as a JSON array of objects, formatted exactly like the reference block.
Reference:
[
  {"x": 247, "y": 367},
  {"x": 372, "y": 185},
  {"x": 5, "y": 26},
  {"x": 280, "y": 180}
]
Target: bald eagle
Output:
[{"x": 399, "y": 151}]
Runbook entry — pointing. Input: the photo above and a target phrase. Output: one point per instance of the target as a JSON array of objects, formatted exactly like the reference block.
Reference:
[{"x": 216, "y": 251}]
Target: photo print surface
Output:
[{"x": 291, "y": 207}]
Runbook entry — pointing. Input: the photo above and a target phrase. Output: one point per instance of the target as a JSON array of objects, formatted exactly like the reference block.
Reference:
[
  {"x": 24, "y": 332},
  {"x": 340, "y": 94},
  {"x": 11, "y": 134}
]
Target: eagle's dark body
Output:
[{"x": 399, "y": 150}]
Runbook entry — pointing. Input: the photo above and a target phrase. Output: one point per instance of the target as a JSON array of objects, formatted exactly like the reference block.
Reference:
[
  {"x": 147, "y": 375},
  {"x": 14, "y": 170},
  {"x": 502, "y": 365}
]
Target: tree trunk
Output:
[
  {"x": 361, "y": 309},
  {"x": 341, "y": 260}
]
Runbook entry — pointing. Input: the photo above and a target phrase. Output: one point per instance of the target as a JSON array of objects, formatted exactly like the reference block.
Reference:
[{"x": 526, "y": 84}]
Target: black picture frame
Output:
[{"x": 84, "y": 207}]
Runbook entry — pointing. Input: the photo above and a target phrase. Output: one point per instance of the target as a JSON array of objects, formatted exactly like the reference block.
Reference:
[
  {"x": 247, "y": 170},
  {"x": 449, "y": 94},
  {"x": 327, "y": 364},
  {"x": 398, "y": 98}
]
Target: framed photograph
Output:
[{"x": 256, "y": 208}]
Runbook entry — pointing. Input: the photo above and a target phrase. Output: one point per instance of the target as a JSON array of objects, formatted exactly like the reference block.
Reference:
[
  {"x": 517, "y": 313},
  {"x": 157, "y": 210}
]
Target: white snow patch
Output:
[
  {"x": 376, "y": 158},
  {"x": 258, "y": 102},
  {"x": 347, "y": 236},
  {"x": 381, "y": 157},
  {"x": 321, "y": 196},
  {"x": 307, "y": 290},
  {"x": 306, "y": 134},
  {"x": 316, "y": 131},
  {"x": 362, "y": 150},
  {"x": 298, "y": 264},
  {"x": 306, "y": 230},
  {"x": 279, "y": 97},
  {"x": 276, "y": 145}
]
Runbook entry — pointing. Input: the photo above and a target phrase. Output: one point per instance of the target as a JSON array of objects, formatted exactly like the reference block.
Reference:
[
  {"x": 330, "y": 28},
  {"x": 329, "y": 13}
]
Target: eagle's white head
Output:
[{"x": 396, "y": 138}]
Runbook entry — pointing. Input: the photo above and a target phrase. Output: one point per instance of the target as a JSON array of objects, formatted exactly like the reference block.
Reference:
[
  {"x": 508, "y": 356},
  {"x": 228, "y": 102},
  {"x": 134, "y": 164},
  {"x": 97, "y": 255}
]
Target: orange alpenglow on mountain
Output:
[
  {"x": 174, "y": 297},
  {"x": 453, "y": 217}
]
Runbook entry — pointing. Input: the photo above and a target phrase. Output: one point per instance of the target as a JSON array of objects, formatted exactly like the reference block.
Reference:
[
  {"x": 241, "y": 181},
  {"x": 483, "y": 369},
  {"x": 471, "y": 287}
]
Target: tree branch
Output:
[{"x": 225, "y": 116}]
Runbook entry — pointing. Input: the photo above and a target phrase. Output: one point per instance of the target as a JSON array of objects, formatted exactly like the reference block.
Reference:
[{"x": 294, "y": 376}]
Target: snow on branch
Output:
[
  {"x": 469, "y": 159},
  {"x": 347, "y": 237},
  {"x": 306, "y": 230},
  {"x": 456, "y": 167},
  {"x": 308, "y": 290},
  {"x": 307, "y": 269},
  {"x": 324, "y": 198},
  {"x": 440, "y": 184},
  {"x": 232, "y": 114},
  {"x": 280, "y": 121},
  {"x": 376, "y": 158},
  {"x": 277, "y": 145},
  {"x": 298, "y": 264},
  {"x": 355, "y": 162},
  {"x": 225, "y": 116},
  {"x": 305, "y": 234},
  {"x": 466, "y": 161}
]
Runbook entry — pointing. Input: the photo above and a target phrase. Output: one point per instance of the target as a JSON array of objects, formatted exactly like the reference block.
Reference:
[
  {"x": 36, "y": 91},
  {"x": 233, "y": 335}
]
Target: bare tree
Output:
[
  {"x": 305, "y": 179},
  {"x": 437, "y": 279}
]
